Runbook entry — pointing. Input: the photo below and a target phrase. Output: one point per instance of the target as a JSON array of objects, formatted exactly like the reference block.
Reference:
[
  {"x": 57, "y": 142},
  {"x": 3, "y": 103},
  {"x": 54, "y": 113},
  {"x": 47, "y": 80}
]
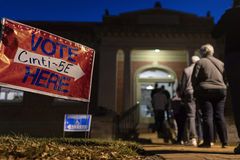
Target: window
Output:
[
  {"x": 10, "y": 95},
  {"x": 155, "y": 74}
]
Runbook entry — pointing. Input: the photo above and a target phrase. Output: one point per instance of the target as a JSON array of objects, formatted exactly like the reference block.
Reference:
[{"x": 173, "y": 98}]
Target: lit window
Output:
[
  {"x": 10, "y": 95},
  {"x": 160, "y": 74}
]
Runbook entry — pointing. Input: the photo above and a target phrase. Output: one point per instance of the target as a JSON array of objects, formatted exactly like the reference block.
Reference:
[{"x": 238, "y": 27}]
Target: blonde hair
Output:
[
  {"x": 206, "y": 49},
  {"x": 195, "y": 59}
]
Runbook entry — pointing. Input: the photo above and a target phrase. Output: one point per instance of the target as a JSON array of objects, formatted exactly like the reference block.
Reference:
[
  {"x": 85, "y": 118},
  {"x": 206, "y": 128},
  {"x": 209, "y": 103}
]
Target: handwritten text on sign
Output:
[{"x": 38, "y": 61}]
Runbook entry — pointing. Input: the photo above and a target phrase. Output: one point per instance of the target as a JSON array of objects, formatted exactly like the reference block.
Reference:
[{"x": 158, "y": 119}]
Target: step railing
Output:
[{"x": 126, "y": 123}]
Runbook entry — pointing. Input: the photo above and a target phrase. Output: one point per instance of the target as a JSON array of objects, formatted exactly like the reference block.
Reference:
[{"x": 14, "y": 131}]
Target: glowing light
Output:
[
  {"x": 149, "y": 87},
  {"x": 157, "y": 50}
]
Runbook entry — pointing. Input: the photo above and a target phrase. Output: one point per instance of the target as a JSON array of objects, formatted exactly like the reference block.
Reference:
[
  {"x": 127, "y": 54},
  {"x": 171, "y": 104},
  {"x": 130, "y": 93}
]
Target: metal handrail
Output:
[{"x": 126, "y": 124}]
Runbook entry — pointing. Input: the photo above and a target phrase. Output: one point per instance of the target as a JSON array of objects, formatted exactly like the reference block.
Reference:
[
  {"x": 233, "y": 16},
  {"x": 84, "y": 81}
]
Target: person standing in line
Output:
[
  {"x": 179, "y": 113},
  {"x": 189, "y": 101},
  {"x": 165, "y": 92},
  {"x": 228, "y": 27},
  {"x": 159, "y": 103},
  {"x": 210, "y": 90},
  {"x": 155, "y": 90},
  {"x": 168, "y": 107}
]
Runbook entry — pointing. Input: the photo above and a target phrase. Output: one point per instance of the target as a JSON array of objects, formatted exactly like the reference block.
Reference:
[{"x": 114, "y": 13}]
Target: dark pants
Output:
[
  {"x": 159, "y": 119},
  {"x": 179, "y": 112},
  {"x": 180, "y": 119},
  {"x": 199, "y": 123},
  {"x": 232, "y": 66},
  {"x": 212, "y": 103}
]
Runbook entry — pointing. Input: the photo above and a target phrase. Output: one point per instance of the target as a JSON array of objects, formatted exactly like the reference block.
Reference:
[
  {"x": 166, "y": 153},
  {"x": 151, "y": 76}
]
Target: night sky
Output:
[{"x": 93, "y": 10}]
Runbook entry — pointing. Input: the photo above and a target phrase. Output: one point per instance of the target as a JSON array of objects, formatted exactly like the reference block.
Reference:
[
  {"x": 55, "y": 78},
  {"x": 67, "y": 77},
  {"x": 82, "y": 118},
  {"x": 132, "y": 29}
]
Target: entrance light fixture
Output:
[
  {"x": 157, "y": 50},
  {"x": 149, "y": 87}
]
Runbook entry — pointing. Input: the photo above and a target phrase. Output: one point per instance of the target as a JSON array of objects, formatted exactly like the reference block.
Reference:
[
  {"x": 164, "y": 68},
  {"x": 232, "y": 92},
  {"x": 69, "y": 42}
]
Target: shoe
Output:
[
  {"x": 204, "y": 145},
  {"x": 224, "y": 145},
  {"x": 200, "y": 141},
  {"x": 237, "y": 149},
  {"x": 192, "y": 142},
  {"x": 181, "y": 143}
]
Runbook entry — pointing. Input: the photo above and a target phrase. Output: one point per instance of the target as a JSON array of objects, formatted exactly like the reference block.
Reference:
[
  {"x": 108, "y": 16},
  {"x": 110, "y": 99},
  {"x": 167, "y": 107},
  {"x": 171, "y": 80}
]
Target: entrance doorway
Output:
[{"x": 146, "y": 81}]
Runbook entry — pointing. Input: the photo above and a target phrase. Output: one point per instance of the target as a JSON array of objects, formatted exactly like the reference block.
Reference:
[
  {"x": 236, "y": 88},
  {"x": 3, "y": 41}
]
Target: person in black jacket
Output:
[
  {"x": 159, "y": 103},
  {"x": 228, "y": 27}
]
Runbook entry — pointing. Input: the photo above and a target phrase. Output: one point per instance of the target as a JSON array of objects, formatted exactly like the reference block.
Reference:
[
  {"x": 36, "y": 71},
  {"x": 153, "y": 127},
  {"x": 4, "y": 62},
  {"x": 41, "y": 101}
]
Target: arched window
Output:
[{"x": 155, "y": 74}]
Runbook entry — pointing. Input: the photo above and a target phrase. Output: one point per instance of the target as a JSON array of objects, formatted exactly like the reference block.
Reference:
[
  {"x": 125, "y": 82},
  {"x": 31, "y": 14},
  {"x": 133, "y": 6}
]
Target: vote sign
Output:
[
  {"x": 77, "y": 123},
  {"x": 37, "y": 61}
]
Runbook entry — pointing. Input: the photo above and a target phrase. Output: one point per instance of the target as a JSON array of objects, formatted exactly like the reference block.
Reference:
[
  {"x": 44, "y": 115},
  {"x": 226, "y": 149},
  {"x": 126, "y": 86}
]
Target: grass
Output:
[{"x": 27, "y": 148}]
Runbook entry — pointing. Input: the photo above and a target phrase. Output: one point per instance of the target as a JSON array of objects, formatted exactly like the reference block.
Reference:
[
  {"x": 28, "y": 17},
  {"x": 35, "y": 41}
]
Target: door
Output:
[{"x": 145, "y": 85}]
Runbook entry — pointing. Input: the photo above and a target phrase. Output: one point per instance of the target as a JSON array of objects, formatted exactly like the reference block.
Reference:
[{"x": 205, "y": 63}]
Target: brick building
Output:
[{"x": 134, "y": 50}]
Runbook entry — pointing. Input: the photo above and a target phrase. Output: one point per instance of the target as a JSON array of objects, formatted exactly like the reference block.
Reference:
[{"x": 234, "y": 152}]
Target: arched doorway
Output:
[{"x": 145, "y": 81}]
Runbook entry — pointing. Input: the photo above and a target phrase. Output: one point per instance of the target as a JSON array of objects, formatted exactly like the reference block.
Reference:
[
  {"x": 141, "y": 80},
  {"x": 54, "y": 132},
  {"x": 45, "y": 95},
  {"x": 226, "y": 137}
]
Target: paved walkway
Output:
[{"x": 157, "y": 150}]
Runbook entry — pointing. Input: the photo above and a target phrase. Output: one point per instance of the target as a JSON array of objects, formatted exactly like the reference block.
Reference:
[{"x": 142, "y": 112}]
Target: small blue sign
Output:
[{"x": 77, "y": 123}]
